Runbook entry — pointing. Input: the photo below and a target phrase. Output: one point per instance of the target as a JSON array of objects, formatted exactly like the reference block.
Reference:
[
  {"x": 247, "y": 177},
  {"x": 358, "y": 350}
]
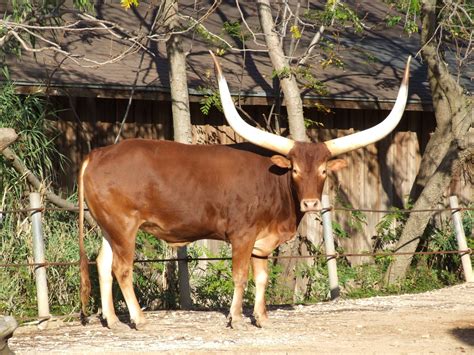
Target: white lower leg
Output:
[
  {"x": 260, "y": 272},
  {"x": 126, "y": 285},
  {"x": 237, "y": 300},
  {"x": 104, "y": 267}
]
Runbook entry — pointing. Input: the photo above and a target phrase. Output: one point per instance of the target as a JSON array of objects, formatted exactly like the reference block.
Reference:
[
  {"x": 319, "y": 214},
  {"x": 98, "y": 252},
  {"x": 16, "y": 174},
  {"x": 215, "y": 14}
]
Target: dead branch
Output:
[{"x": 21, "y": 168}]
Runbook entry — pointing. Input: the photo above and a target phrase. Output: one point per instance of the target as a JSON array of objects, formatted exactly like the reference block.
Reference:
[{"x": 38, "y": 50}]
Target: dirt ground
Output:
[{"x": 440, "y": 322}]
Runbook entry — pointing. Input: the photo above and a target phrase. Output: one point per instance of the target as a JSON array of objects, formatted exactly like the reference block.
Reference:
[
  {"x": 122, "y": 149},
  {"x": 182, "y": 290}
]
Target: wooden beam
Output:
[{"x": 246, "y": 99}]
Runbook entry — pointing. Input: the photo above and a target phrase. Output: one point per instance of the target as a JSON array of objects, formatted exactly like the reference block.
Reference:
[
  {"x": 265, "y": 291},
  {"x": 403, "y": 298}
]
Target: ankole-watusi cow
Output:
[{"x": 250, "y": 197}]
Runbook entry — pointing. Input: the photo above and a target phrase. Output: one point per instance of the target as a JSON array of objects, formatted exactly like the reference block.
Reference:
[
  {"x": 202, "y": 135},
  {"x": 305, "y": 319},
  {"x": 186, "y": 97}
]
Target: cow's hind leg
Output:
[
  {"x": 240, "y": 268},
  {"x": 104, "y": 267},
  {"x": 116, "y": 256},
  {"x": 122, "y": 267}
]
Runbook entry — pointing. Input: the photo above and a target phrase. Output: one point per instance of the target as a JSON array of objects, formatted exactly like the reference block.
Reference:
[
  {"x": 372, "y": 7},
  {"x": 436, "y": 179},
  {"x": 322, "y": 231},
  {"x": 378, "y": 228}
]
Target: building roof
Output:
[{"x": 370, "y": 77}]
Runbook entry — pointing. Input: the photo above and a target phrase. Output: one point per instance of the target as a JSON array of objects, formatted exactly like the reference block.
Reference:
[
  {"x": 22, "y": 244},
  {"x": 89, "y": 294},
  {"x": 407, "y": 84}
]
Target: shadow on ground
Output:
[{"x": 464, "y": 334}]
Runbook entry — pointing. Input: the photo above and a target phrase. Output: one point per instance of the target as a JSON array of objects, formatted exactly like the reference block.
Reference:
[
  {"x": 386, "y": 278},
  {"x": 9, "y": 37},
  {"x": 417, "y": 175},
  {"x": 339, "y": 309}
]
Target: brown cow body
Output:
[
  {"x": 182, "y": 193},
  {"x": 241, "y": 194}
]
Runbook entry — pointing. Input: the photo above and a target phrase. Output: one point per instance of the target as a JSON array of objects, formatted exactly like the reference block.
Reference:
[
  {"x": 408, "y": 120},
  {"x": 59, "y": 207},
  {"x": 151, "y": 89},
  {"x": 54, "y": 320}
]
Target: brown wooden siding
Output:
[{"x": 378, "y": 176}]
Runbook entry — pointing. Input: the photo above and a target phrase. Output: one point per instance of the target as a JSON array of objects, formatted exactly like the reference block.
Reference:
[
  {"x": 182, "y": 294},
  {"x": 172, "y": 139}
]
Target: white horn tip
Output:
[
  {"x": 217, "y": 66},
  {"x": 406, "y": 74}
]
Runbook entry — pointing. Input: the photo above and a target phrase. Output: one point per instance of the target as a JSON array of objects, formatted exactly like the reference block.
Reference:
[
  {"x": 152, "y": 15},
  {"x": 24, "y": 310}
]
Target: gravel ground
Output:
[{"x": 440, "y": 322}]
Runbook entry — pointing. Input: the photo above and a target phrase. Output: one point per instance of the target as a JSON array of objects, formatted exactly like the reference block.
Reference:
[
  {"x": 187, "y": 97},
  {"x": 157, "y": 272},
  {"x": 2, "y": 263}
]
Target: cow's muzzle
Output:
[{"x": 310, "y": 205}]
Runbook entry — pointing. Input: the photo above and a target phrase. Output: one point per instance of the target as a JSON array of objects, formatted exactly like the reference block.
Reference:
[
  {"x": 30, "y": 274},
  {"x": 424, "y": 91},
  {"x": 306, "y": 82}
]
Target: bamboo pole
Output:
[
  {"x": 329, "y": 246},
  {"x": 461, "y": 239},
  {"x": 38, "y": 253}
]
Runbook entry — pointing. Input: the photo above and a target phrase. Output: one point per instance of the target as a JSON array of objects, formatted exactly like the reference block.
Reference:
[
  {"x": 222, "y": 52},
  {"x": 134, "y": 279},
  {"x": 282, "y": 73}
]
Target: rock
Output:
[
  {"x": 7, "y": 137},
  {"x": 7, "y": 327}
]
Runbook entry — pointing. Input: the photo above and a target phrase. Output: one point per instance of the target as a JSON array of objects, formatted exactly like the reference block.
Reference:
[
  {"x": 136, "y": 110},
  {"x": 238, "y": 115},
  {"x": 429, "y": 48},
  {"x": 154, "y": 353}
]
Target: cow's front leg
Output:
[
  {"x": 260, "y": 275},
  {"x": 240, "y": 269},
  {"x": 262, "y": 249}
]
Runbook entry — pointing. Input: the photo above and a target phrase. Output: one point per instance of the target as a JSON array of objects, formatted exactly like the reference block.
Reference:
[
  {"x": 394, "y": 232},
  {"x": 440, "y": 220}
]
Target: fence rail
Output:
[
  {"x": 190, "y": 259},
  {"x": 330, "y": 208}
]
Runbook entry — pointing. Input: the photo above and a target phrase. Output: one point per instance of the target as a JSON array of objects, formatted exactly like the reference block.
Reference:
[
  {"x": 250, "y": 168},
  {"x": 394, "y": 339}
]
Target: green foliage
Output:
[
  {"x": 309, "y": 123},
  {"x": 390, "y": 227},
  {"x": 281, "y": 74},
  {"x": 348, "y": 17},
  {"x": 441, "y": 238},
  {"x": 306, "y": 77},
  {"x": 355, "y": 222},
  {"x": 392, "y": 21},
  {"x": 213, "y": 284},
  {"x": 86, "y": 5},
  {"x": 411, "y": 9},
  {"x": 337, "y": 14},
  {"x": 231, "y": 29},
  {"x": 28, "y": 115},
  {"x": 235, "y": 30},
  {"x": 211, "y": 98},
  {"x": 35, "y": 146},
  {"x": 316, "y": 273},
  {"x": 208, "y": 37},
  {"x": 148, "y": 277},
  {"x": 332, "y": 55}
]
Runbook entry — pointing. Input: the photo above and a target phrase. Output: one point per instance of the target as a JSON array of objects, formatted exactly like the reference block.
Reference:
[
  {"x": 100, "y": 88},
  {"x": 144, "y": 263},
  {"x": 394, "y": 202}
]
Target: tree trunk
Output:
[
  {"x": 444, "y": 152},
  {"x": 294, "y": 108},
  {"x": 178, "y": 77},
  {"x": 281, "y": 66},
  {"x": 181, "y": 121}
]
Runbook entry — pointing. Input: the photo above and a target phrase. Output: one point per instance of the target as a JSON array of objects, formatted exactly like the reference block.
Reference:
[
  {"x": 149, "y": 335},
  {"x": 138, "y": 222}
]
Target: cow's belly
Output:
[{"x": 178, "y": 237}]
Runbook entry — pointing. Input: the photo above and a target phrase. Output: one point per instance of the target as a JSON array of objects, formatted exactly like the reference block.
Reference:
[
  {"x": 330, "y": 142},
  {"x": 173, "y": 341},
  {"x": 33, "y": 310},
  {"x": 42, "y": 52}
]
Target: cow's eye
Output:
[
  {"x": 295, "y": 171},
  {"x": 324, "y": 172}
]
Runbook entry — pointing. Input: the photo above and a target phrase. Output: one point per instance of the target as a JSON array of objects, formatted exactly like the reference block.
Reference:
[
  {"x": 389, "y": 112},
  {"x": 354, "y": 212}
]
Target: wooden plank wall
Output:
[{"x": 378, "y": 176}]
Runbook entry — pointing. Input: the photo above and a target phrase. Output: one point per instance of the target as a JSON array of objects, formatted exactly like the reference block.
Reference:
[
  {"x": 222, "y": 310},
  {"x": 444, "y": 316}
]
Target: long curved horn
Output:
[
  {"x": 254, "y": 135},
  {"x": 361, "y": 139}
]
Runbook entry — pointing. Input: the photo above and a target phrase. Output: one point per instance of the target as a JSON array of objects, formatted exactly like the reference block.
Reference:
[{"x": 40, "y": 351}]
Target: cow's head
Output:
[{"x": 310, "y": 162}]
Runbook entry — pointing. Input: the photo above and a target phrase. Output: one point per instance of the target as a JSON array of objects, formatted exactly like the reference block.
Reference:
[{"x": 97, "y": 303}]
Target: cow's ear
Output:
[
  {"x": 281, "y": 161},
  {"x": 336, "y": 164}
]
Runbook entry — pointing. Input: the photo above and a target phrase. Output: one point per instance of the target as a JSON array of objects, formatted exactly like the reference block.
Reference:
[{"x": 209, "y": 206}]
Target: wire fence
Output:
[
  {"x": 191, "y": 259},
  {"x": 467, "y": 251},
  {"x": 40, "y": 263},
  {"x": 331, "y": 208}
]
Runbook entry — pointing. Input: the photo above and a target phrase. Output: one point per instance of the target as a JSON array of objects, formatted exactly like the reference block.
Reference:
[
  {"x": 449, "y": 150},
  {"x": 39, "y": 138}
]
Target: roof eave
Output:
[{"x": 248, "y": 98}]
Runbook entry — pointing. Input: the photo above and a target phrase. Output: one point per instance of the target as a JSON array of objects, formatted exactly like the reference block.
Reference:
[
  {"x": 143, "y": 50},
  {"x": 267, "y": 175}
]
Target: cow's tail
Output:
[{"x": 84, "y": 262}]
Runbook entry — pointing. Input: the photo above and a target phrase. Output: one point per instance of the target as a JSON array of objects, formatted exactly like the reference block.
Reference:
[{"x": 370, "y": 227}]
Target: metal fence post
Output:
[
  {"x": 38, "y": 251},
  {"x": 329, "y": 246},
  {"x": 461, "y": 239},
  {"x": 183, "y": 279}
]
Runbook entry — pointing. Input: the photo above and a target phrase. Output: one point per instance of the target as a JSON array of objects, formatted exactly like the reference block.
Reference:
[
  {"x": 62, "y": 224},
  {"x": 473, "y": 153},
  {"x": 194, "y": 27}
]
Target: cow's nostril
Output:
[{"x": 309, "y": 205}]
